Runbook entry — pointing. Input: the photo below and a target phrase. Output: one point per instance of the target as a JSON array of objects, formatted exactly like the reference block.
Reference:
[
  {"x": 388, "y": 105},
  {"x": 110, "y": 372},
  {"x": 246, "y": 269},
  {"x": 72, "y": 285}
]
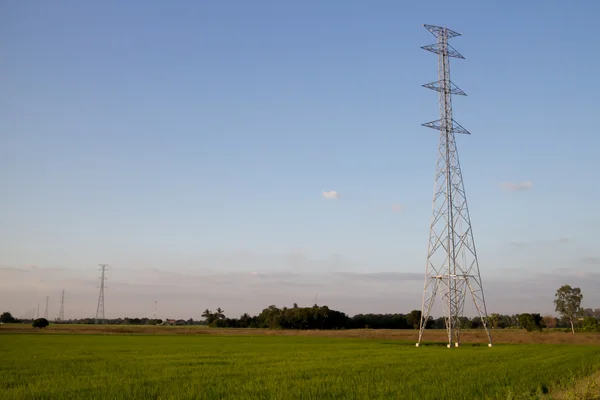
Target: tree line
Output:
[
  {"x": 567, "y": 302},
  {"x": 325, "y": 318}
]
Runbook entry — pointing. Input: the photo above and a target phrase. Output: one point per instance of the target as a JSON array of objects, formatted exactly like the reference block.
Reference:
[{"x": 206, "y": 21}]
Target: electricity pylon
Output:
[
  {"x": 61, "y": 314},
  {"x": 452, "y": 265},
  {"x": 100, "y": 309}
]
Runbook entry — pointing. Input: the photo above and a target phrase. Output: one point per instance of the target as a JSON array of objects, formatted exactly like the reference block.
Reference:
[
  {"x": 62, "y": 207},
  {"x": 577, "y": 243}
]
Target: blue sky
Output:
[{"x": 198, "y": 137}]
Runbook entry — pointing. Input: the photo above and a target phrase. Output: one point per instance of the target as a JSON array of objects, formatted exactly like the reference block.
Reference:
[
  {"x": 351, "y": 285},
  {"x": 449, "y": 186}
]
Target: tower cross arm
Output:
[
  {"x": 438, "y": 30},
  {"x": 447, "y": 50}
]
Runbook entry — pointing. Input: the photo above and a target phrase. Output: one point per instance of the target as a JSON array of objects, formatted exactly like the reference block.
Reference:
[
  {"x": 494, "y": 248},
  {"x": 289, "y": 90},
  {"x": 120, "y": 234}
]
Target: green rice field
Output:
[{"x": 70, "y": 366}]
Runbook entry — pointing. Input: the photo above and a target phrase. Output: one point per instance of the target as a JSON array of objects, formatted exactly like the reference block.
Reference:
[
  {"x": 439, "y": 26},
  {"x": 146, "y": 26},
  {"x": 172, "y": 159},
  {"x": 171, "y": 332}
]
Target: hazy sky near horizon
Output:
[{"x": 242, "y": 154}]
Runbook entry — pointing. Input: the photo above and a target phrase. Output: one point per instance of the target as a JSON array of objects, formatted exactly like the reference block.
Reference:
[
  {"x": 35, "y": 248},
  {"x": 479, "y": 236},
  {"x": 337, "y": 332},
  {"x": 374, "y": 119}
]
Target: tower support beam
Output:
[{"x": 452, "y": 268}]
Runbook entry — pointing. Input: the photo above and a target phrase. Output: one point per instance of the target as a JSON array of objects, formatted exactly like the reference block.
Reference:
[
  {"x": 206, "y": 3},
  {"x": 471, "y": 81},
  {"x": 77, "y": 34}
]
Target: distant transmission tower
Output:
[
  {"x": 61, "y": 314},
  {"x": 100, "y": 310},
  {"x": 452, "y": 266},
  {"x": 46, "y": 312}
]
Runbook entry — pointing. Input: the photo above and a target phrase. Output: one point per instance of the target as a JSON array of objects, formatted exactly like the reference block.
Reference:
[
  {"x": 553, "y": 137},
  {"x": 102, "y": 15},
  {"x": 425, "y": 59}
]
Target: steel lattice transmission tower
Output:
[
  {"x": 100, "y": 309},
  {"x": 46, "y": 312},
  {"x": 452, "y": 267},
  {"x": 61, "y": 314}
]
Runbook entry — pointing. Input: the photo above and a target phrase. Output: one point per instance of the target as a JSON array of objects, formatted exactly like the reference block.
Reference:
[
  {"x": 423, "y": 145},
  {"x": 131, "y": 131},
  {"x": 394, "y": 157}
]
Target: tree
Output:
[
  {"x": 40, "y": 323},
  {"x": 590, "y": 324},
  {"x": 494, "y": 321},
  {"x": 220, "y": 314},
  {"x": 414, "y": 318},
  {"x": 245, "y": 320},
  {"x": 210, "y": 317},
  {"x": 7, "y": 318},
  {"x": 568, "y": 303},
  {"x": 550, "y": 321},
  {"x": 531, "y": 322}
]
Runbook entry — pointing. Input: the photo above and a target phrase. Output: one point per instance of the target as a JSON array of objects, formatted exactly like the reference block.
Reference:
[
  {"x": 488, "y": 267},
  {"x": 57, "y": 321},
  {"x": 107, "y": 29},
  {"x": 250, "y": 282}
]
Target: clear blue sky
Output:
[{"x": 159, "y": 134}]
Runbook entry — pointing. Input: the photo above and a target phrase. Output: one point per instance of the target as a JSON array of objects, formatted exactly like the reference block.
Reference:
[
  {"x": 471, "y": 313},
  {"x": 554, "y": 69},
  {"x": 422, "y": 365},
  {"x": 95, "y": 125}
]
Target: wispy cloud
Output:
[
  {"x": 591, "y": 260},
  {"x": 519, "y": 244},
  {"x": 258, "y": 274},
  {"x": 185, "y": 293},
  {"x": 21, "y": 268},
  {"x": 540, "y": 242},
  {"x": 381, "y": 276},
  {"x": 397, "y": 208},
  {"x": 516, "y": 187},
  {"x": 331, "y": 194}
]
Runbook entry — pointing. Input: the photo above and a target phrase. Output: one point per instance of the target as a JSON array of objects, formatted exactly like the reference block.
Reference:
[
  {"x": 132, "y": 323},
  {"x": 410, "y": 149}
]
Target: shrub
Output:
[
  {"x": 531, "y": 322},
  {"x": 40, "y": 323},
  {"x": 590, "y": 324}
]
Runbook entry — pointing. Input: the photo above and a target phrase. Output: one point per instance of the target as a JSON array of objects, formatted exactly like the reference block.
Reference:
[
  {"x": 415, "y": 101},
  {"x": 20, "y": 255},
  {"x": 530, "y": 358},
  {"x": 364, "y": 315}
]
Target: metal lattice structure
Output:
[
  {"x": 61, "y": 314},
  {"x": 452, "y": 266},
  {"x": 100, "y": 310},
  {"x": 46, "y": 312}
]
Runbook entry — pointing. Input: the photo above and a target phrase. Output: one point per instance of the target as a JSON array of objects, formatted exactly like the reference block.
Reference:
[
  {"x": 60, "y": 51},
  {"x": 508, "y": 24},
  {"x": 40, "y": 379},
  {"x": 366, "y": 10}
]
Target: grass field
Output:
[{"x": 74, "y": 366}]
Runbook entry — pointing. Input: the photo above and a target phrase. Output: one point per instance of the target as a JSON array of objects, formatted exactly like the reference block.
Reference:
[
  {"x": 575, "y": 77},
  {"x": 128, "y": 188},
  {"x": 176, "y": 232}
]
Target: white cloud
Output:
[
  {"x": 516, "y": 187},
  {"x": 331, "y": 194},
  {"x": 397, "y": 208}
]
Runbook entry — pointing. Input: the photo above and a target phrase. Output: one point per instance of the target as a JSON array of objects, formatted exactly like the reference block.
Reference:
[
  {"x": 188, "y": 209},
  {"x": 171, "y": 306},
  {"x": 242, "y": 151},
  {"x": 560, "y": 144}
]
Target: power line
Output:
[
  {"x": 452, "y": 265},
  {"x": 100, "y": 309}
]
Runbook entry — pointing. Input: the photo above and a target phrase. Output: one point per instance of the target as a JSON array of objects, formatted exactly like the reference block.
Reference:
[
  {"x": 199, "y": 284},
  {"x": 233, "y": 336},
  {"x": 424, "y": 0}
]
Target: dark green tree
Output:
[
  {"x": 245, "y": 320},
  {"x": 414, "y": 318},
  {"x": 567, "y": 301},
  {"x": 40, "y": 323},
  {"x": 208, "y": 316},
  {"x": 531, "y": 322},
  {"x": 494, "y": 321},
  {"x": 590, "y": 324},
  {"x": 7, "y": 318}
]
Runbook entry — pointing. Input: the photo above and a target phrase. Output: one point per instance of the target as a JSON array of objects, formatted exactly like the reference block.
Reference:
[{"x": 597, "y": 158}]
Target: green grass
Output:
[{"x": 277, "y": 367}]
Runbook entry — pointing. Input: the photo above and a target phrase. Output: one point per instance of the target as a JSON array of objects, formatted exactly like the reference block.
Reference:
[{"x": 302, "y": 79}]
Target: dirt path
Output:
[{"x": 500, "y": 336}]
